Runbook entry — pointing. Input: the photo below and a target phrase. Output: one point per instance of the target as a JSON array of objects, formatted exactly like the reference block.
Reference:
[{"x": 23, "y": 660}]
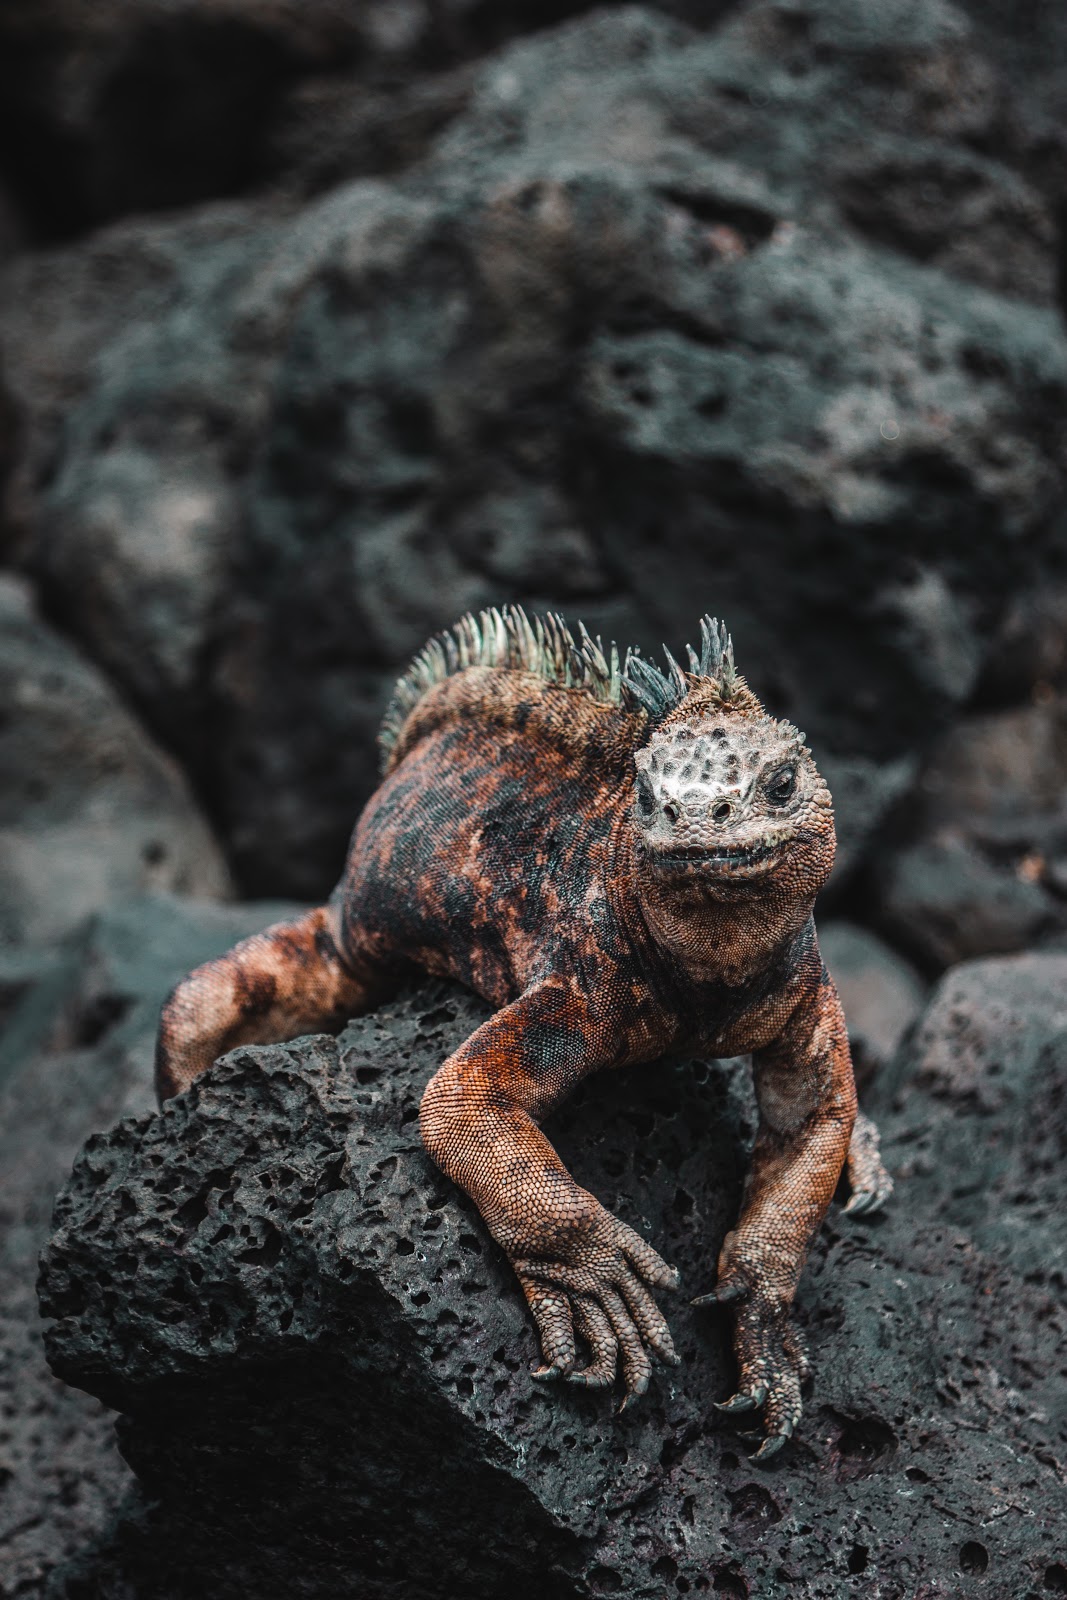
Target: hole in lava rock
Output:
[
  {"x": 974, "y": 1557},
  {"x": 1056, "y": 1578},
  {"x": 862, "y": 1442},
  {"x": 732, "y": 1584},
  {"x": 404, "y": 1247},
  {"x": 265, "y": 1254},
  {"x": 193, "y": 1212},
  {"x": 754, "y": 1506},
  {"x": 440, "y": 1014},
  {"x": 857, "y": 1558},
  {"x": 917, "y": 1475}
]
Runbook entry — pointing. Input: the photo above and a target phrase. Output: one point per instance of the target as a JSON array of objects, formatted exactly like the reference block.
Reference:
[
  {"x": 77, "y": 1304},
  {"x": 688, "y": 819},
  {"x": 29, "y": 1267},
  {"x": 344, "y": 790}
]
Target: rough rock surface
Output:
[
  {"x": 321, "y": 1358},
  {"x": 76, "y": 1054},
  {"x": 656, "y": 313},
  {"x": 983, "y": 864},
  {"x": 92, "y": 811}
]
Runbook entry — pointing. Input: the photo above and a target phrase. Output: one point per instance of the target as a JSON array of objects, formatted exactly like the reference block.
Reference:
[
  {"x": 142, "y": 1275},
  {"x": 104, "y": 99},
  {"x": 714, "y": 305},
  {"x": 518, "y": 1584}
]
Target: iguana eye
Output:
[
  {"x": 781, "y": 785},
  {"x": 646, "y": 799}
]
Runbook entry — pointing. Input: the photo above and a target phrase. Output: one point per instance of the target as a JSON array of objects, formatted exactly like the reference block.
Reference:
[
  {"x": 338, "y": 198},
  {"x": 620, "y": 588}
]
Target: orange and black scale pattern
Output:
[{"x": 623, "y": 864}]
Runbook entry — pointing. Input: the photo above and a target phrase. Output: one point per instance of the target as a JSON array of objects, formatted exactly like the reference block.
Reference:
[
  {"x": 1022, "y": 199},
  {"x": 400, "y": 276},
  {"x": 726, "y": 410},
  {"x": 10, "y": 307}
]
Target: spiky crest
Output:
[{"x": 507, "y": 638}]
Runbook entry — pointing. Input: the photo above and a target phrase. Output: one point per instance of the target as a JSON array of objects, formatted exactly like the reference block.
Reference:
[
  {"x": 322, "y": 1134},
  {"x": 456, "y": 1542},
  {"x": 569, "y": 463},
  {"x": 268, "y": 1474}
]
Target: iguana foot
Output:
[
  {"x": 600, "y": 1293},
  {"x": 870, "y": 1182},
  {"x": 772, "y": 1361}
]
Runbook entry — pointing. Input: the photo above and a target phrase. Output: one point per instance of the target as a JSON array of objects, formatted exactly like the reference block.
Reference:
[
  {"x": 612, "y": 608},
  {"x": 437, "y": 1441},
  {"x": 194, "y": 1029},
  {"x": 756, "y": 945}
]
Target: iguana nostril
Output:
[
  {"x": 722, "y": 810},
  {"x": 671, "y": 811}
]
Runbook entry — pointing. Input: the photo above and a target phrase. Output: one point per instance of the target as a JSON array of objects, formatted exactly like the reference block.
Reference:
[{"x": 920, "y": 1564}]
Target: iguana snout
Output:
[{"x": 726, "y": 795}]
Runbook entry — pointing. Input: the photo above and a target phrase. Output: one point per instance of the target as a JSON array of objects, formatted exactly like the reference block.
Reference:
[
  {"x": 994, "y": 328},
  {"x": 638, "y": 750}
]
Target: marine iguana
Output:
[{"x": 623, "y": 862}]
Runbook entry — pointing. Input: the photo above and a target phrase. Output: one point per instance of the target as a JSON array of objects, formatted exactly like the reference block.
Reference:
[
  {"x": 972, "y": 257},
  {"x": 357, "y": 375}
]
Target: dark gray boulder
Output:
[
  {"x": 320, "y": 1356},
  {"x": 991, "y": 1053},
  {"x": 91, "y": 809},
  {"x": 76, "y": 1053},
  {"x": 980, "y": 862},
  {"x": 634, "y": 337}
]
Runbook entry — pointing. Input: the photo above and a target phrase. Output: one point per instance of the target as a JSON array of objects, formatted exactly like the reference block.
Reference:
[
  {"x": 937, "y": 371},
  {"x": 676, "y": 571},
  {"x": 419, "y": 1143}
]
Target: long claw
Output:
[
  {"x": 547, "y": 1374},
  {"x": 640, "y": 1384},
  {"x": 721, "y": 1297},
  {"x": 742, "y": 1402},
  {"x": 863, "y": 1203},
  {"x": 588, "y": 1379},
  {"x": 770, "y": 1447}
]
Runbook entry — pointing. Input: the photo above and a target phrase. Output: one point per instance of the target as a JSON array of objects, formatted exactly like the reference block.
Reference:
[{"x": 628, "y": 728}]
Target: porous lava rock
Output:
[
  {"x": 75, "y": 1054},
  {"x": 637, "y": 331},
  {"x": 320, "y": 1356}
]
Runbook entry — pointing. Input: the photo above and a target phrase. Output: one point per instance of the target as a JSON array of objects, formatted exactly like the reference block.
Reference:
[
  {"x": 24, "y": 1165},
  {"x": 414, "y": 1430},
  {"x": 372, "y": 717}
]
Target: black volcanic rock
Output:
[
  {"x": 750, "y": 320},
  {"x": 75, "y": 1054},
  {"x": 321, "y": 1357}
]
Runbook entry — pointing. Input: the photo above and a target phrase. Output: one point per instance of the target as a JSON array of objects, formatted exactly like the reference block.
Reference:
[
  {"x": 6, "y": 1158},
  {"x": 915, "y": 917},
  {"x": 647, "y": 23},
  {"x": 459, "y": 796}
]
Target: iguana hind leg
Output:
[
  {"x": 868, "y": 1179},
  {"x": 290, "y": 979}
]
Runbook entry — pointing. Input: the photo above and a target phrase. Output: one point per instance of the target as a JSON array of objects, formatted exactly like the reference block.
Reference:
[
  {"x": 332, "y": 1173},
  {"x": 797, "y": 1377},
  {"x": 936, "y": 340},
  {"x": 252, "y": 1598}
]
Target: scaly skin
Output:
[{"x": 623, "y": 865}]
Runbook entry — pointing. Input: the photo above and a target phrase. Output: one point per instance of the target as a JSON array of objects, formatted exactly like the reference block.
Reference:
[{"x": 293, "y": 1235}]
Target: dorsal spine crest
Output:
[{"x": 506, "y": 638}]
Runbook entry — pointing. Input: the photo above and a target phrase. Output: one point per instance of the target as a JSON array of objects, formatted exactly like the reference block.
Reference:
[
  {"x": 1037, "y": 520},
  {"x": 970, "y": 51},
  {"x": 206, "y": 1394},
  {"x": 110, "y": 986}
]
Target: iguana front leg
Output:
[
  {"x": 582, "y": 1270},
  {"x": 807, "y": 1102}
]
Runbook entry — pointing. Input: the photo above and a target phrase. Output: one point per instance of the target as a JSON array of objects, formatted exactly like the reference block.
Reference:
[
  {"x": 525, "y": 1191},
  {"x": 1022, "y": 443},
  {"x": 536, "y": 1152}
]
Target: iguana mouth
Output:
[{"x": 721, "y": 860}]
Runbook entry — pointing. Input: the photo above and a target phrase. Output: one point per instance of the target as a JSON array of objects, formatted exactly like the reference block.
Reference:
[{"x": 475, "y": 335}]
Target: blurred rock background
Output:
[{"x": 323, "y": 321}]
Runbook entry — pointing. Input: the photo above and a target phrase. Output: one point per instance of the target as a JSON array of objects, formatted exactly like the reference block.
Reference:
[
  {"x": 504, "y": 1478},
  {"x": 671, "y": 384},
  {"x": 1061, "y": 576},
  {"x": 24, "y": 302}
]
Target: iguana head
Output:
[{"x": 726, "y": 799}]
